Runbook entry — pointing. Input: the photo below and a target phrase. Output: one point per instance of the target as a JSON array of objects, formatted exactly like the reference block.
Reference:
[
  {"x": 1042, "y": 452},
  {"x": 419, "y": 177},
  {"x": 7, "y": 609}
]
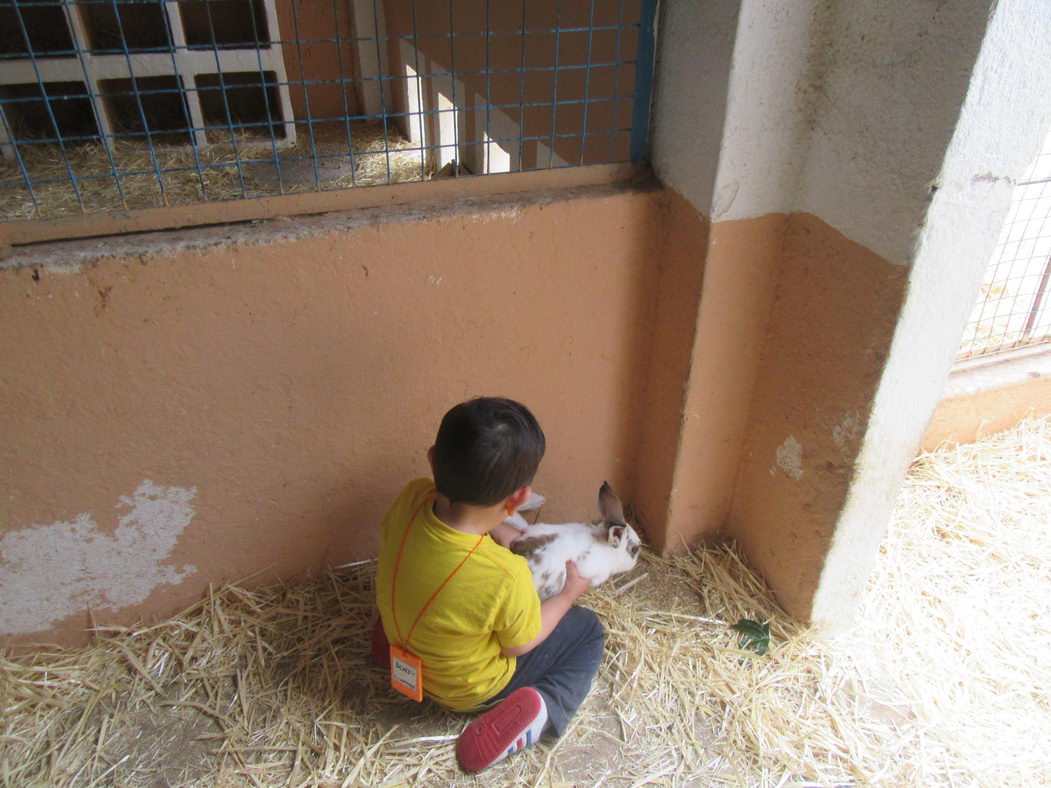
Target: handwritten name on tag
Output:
[{"x": 406, "y": 673}]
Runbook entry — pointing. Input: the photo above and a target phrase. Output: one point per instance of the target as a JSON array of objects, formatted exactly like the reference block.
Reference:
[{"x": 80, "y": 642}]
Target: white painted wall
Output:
[
  {"x": 771, "y": 91},
  {"x": 51, "y": 572},
  {"x": 893, "y": 78},
  {"x": 843, "y": 110},
  {"x": 733, "y": 140},
  {"x": 696, "y": 38}
]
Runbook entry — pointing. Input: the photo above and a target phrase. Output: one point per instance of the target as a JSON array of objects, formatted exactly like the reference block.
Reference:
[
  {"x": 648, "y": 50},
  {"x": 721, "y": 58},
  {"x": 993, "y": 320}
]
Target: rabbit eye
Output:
[{"x": 634, "y": 550}]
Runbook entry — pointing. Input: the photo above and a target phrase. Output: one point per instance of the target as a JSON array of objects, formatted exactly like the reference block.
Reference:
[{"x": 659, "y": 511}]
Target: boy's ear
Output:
[
  {"x": 430, "y": 459},
  {"x": 517, "y": 499}
]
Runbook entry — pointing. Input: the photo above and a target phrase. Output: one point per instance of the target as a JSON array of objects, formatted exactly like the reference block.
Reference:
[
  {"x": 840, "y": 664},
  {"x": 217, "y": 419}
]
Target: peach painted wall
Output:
[
  {"x": 319, "y": 59},
  {"x": 701, "y": 384},
  {"x": 682, "y": 267},
  {"x": 984, "y": 400},
  {"x": 834, "y": 313},
  {"x": 237, "y": 399}
]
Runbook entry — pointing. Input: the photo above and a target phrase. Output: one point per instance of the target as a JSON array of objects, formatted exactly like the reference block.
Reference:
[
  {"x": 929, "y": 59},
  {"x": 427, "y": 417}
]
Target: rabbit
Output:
[{"x": 601, "y": 549}]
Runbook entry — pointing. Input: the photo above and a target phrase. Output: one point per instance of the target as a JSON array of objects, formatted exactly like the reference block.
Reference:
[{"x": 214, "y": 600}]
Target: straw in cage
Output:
[
  {"x": 242, "y": 166},
  {"x": 943, "y": 682}
]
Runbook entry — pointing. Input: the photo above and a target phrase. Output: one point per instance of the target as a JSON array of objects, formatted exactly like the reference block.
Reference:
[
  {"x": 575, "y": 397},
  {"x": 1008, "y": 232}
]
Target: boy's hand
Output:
[
  {"x": 575, "y": 584},
  {"x": 553, "y": 609}
]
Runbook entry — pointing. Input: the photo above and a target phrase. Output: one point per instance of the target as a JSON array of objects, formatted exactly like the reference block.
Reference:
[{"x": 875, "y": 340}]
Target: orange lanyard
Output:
[{"x": 394, "y": 581}]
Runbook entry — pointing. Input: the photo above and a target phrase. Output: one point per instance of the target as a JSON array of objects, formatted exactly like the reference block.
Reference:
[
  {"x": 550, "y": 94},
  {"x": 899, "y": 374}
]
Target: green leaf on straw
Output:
[{"x": 756, "y": 636}]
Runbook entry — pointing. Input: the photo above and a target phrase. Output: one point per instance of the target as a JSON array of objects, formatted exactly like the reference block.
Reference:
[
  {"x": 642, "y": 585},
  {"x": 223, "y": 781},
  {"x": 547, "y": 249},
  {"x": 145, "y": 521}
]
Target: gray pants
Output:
[{"x": 562, "y": 667}]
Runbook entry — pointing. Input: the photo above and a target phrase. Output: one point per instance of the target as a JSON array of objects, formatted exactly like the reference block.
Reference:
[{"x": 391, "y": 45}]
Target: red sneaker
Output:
[{"x": 514, "y": 724}]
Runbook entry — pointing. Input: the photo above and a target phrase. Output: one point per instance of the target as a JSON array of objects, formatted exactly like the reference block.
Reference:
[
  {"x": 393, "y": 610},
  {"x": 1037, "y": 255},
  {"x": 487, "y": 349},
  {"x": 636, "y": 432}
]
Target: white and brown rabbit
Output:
[{"x": 601, "y": 549}]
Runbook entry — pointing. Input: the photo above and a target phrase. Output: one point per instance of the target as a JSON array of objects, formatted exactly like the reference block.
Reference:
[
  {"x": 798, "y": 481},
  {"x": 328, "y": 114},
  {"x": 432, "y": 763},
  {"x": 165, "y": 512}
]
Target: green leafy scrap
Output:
[{"x": 755, "y": 636}]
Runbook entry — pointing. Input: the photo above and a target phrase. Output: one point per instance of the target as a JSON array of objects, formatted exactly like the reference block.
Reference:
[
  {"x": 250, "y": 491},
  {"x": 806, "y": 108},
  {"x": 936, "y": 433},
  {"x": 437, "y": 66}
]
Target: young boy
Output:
[{"x": 452, "y": 595}]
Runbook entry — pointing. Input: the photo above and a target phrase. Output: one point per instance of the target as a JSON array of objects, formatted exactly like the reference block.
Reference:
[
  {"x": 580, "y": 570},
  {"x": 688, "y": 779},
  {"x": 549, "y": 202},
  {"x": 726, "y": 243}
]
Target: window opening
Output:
[
  {"x": 132, "y": 104},
  {"x": 1013, "y": 310}
]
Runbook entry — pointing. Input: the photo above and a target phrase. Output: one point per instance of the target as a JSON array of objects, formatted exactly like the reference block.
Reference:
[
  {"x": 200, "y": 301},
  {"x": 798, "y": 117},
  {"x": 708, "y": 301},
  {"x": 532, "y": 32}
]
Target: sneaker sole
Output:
[{"x": 500, "y": 731}]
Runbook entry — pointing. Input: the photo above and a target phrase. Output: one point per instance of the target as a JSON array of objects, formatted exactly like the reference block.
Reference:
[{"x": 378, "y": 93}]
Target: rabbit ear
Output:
[
  {"x": 535, "y": 501},
  {"x": 616, "y": 534},
  {"x": 609, "y": 505}
]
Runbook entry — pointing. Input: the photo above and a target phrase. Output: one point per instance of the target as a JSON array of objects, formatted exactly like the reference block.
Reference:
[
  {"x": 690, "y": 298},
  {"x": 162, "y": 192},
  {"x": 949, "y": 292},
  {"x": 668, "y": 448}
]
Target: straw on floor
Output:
[{"x": 943, "y": 682}]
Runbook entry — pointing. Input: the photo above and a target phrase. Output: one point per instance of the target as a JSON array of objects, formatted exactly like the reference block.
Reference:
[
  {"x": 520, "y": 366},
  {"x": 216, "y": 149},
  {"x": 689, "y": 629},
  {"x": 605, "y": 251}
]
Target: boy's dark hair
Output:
[{"x": 485, "y": 450}]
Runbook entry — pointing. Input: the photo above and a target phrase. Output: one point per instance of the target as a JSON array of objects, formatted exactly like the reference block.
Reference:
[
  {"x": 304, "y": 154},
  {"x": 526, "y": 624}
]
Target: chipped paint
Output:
[
  {"x": 492, "y": 216},
  {"x": 51, "y": 572},
  {"x": 790, "y": 457},
  {"x": 847, "y": 433}
]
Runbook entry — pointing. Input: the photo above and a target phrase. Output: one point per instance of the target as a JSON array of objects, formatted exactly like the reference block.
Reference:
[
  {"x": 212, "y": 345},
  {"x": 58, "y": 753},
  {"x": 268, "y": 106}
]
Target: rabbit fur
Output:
[{"x": 601, "y": 549}]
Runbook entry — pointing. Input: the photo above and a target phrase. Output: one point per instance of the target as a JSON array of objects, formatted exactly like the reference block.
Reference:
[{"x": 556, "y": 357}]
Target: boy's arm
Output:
[{"x": 553, "y": 609}]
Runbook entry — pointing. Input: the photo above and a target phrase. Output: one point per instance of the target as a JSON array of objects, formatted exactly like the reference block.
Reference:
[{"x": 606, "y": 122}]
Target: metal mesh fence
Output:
[
  {"x": 125, "y": 104},
  {"x": 1014, "y": 308}
]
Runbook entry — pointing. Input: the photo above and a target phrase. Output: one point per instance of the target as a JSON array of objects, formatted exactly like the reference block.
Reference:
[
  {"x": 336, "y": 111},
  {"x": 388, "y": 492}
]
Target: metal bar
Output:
[
  {"x": 21, "y": 164},
  {"x": 419, "y": 95},
  {"x": 554, "y": 87},
  {"x": 343, "y": 93},
  {"x": 334, "y": 118},
  {"x": 438, "y": 192},
  {"x": 640, "y": 116},
  {"x": 383, "y": 100},
  {"x": 47, "y": 104},
  {"x": 452, "y": 79},
  {"x": 521, "y": 91},
  {"x": 1038, "y": 300},
  {"x": 114, "y": 67},
  {"x": 226, "y": 101},
  {"x": 266, "y": 100},
  {"x": 1005, "y": 303},
  {"x": 616, "y": 85},
  {"x": 587, "y": 84},
  {"x": 359, "y": 39},
  {"x": 76, "y": 28},
  {"x": 194, "y": 115},
  {"x": 306, "y": 93},
  {"x": 138, "y": 103},
  {"x": 488, "y": 93}
]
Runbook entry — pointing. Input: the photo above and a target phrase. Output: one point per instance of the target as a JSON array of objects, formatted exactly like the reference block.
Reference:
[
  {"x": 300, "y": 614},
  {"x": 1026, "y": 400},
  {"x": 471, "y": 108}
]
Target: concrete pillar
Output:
[
  {"x": 998, "y": 130},
  {"x": 849, "y": 164}
]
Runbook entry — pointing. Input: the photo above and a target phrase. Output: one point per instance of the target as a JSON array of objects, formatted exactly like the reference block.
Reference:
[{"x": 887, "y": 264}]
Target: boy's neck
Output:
[{"x": 466, "y": 517}]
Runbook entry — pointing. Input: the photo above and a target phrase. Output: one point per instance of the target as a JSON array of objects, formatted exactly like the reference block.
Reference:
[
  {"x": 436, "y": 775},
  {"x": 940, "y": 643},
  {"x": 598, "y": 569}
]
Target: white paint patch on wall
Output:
[
  {"x": 495, "y": 216},
  {"x": 50, "y": 572},
  {"x": 790, "y": 457},
  {"x": 846, "y": 433}
]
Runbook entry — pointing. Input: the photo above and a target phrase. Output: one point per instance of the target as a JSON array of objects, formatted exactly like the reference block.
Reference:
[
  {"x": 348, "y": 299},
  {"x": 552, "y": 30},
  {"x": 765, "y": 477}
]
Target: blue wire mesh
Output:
[
  {"x": 131, "y": 104},
  {"x": 1013, "y": 310}
]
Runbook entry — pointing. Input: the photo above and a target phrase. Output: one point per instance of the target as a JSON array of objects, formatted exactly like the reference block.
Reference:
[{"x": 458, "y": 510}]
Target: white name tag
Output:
[{"x": 406, "y": 673}]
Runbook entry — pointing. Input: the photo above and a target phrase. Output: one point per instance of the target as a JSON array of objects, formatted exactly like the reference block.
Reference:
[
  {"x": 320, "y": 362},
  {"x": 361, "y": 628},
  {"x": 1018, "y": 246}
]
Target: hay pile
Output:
[
  {"x": 944, "y": 682},
  {"x": 228, "y": 169},
  {"x": 955, "y": 630}
]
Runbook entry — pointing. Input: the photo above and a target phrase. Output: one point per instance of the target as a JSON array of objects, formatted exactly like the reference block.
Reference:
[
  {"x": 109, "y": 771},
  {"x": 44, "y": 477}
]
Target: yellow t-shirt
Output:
[{"x": 489, "y": 604}]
